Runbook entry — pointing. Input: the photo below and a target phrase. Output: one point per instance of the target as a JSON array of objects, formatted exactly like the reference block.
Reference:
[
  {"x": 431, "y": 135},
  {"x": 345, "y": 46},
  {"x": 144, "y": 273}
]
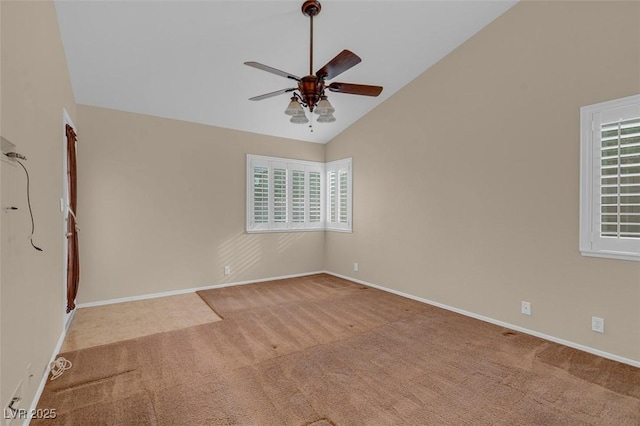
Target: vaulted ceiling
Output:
[{"x": 184, "y": 59}]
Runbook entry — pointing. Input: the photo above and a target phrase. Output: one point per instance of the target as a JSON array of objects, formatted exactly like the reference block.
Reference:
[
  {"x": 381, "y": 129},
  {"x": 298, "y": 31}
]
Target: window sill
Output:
[
  {"x": 286, "y": 231},
  {"x": 344, "y": 231},
  {"x": 276, "y": 231},
  {"x": 611, "y": 255}
]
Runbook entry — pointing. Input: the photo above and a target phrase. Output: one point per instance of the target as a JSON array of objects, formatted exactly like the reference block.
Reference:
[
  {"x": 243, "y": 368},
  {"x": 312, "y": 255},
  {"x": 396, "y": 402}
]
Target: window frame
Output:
[
  {"x": 591, "y": 117},
  {"x": 291, "y": 166},
  {"x": 339, "y": 166}
]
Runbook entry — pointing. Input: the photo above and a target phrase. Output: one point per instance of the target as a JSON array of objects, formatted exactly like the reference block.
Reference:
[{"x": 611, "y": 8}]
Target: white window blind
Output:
[{"x": 610, "y": 179}]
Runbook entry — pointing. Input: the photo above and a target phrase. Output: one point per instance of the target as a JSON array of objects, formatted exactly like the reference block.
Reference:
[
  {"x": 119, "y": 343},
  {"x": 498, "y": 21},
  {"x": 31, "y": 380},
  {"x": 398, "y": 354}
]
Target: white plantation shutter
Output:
[
  {"x": 333, "y": 191},
  {"x": 280, "y": 195},
  {"x": 298, "y": 196},
  {"x": 610, "y": 179},
  {"x": 343, "y": 196},
  {"x": 284, "y": 195},
  {"x": 339, "y": 197},
  {"x": 620, "y": 179},
  {"x": 315, "y": 197},
  {"x": 261, "y": 194}
]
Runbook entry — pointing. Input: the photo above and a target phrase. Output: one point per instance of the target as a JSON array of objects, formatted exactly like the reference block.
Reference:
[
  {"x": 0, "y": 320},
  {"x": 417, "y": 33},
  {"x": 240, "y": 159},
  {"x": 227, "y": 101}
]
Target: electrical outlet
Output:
[
  {"x": 355, "y": 267},
  {"x": 597, "y": 324},
  {"x": 526, "y": 308},
  {"x": 227, "y": 270}
]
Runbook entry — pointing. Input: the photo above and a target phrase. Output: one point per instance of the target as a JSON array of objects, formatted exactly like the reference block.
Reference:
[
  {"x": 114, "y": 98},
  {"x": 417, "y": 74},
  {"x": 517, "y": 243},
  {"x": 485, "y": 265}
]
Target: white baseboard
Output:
[
  {"x": 191, "y": 290},
  {"x": 65, "y": 327},
  {"x": 574, "y": 345},
  {"x": 496, "y": 322}
]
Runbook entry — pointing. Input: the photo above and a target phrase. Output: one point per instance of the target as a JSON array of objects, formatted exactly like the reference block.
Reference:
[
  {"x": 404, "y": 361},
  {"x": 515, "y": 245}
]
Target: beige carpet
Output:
[
  {"x": 324, "y": 351},
  {"x": 100, "y": 325}
]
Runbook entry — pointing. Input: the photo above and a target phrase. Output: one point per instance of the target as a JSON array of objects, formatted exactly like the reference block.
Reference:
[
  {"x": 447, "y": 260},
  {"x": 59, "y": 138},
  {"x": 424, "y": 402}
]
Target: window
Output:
[
  {"x": 291, "y": 195},
  {"x": 610, "y": 179},
  {"x": 339, "y": 195}
]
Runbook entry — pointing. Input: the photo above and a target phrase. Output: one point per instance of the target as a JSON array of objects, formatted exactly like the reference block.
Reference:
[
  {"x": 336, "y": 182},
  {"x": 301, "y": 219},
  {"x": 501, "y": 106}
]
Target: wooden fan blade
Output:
[
  {"x": 355, "y": 89},
  {"x": 272, "y": 70},
  {"x": 272, "y": 94},
  {"x": 342, "y": 62}
]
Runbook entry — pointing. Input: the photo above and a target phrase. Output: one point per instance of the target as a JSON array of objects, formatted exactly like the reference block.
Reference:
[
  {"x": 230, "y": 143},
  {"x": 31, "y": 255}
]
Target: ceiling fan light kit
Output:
[
  {"x": 294, "y": 107},
  {"x": 326, "y": 118},
  {"x": 324, "y": 107},
  {"x": 310, "y": 92},
  {"x": 299, "y": 119}
]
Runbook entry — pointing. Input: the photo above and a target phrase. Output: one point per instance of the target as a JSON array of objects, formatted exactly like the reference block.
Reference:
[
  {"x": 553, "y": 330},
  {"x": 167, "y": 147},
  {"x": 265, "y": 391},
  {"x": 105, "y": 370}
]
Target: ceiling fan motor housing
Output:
[{"x": 311, "y": 88}]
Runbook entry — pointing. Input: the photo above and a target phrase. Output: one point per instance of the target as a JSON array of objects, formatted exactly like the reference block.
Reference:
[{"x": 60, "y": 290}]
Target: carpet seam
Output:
[{"x": 90, "y": 382}]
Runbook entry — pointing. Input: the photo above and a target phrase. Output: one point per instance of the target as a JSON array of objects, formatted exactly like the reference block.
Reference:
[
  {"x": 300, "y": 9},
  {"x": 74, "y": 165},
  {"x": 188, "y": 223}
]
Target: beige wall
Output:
[
  {"x": 466, "y": 181},
  {"x": 35, "y": 89},
  {"x": 162, "y": 207},
  {"x": 2, "y": 392}
]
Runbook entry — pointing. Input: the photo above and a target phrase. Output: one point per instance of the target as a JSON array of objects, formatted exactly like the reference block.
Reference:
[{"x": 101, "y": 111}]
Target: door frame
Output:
[{"x": 64, "y": 209}]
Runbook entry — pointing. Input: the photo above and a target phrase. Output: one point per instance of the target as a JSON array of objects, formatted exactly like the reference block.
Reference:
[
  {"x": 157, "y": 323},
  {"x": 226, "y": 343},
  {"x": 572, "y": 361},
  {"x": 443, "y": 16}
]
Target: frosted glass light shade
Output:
[
  {"x": 324, "y": 107},
  {"x": 299, "y": 118},
  {"x": 326, "y": 118},
  {"x": 294, "y": 108}
]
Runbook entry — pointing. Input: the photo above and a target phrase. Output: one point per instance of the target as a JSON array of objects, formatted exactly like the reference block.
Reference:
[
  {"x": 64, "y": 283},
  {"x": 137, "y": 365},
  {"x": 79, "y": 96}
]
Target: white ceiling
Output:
[{"x": 184, "y": 59}]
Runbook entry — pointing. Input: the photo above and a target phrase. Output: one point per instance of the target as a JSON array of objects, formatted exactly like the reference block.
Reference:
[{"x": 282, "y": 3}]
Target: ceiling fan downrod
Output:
[{"x": 311, "y": 8}]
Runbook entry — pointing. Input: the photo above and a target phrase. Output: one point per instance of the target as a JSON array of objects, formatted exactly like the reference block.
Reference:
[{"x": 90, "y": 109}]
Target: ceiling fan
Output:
[{"x": 310, "y": 92}]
